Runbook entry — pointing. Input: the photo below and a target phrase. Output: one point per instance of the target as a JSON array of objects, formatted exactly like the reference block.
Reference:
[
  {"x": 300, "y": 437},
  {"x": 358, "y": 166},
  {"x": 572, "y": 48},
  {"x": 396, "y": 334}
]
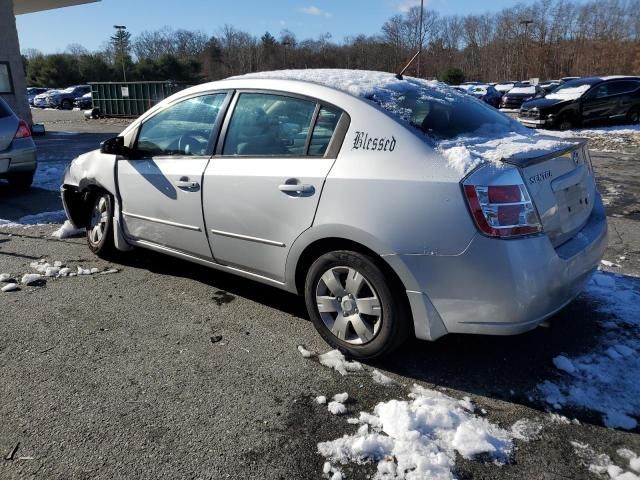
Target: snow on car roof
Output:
[
  {"x": 524, "y": 89},
  {"x": 359, "y": 83},
  {"x": 463, "y": 153}
]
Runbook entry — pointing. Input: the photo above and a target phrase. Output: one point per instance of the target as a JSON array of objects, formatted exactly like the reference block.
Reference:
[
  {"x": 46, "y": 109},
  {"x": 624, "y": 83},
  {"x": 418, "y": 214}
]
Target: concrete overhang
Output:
[{"x": 30, "y": 6}]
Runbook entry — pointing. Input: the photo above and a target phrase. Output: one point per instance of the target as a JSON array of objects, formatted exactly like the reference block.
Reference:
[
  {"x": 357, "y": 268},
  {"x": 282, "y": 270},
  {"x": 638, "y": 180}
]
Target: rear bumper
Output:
[
  {"x": 21, "y": 158},
  {"x": 505, "y": 287}
]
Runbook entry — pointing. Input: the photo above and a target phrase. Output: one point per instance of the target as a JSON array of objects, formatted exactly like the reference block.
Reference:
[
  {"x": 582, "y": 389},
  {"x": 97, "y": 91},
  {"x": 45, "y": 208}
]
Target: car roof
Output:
[{"x": 593, "y": 80}]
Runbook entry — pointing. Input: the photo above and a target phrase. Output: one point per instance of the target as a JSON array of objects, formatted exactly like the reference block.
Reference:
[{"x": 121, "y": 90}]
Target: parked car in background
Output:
[
  {"x": 487, "y": 94},
  {"x": 454, "y": 245},
  {"x": 583, "y": 101},
  {"x": 84, "y": 102},
  {"x": 33, "y": 91},
  {"x": 521, "y": 92},
  {"x": 504, "y": 87},
  {"x": 42, "y": 99},
  {"x": 550, "y": 85},
  {"x": 17, "y": 150},
  {"x": 64, "y": 98}
]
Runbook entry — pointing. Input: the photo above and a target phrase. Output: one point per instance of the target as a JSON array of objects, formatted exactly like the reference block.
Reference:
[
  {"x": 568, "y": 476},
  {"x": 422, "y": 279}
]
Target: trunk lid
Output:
[{"x": 562, "y": 187}]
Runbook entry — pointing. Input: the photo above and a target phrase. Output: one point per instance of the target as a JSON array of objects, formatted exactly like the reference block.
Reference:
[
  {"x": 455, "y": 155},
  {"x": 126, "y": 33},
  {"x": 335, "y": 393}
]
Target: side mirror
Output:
[{"x": 114, "y": 146}]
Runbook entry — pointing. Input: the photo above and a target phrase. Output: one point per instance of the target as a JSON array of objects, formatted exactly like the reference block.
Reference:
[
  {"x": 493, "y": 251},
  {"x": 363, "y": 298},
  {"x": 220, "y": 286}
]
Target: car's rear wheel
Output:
[
  {"x": 354, "y": 306},
  {"x": 634, "y": 115},
  {"x": 66, "y": 104},
  {"x": 100, "y": 228},
  {"x": 20, "y": 181}
]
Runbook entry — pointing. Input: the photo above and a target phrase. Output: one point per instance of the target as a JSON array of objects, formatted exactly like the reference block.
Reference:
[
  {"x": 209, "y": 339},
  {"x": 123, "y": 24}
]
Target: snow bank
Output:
[
  {"x": 420, "y": 436},
  {"x": 306, "y": 353},
  {"x": 605, "y": 380}
]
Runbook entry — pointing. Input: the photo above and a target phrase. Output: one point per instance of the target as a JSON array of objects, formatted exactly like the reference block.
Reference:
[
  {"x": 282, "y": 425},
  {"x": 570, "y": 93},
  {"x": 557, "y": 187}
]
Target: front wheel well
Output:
[{"x": 78, "y": 203}]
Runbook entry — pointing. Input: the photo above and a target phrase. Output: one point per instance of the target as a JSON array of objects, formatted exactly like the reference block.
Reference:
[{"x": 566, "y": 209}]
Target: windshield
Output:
[
  {"x": 569, "y": 92},
  {"x": 444, "y": 113}
]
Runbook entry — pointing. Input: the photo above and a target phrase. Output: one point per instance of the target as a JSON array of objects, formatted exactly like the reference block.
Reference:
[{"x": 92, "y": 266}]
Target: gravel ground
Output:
[{"x": 166, "y": 369}]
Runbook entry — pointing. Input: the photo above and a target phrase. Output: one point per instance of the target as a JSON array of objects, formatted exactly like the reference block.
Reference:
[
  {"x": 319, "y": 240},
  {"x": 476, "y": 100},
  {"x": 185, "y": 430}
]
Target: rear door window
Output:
[
  {"x": 621, "y": 87},
  {"x": 264, "y": 124},
  {"x": 323, "y": 131}
]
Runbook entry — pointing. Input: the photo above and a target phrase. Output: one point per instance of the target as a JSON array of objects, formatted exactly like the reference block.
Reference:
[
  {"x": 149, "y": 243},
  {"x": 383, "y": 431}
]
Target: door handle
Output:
[
  {"x": 296, "y": 188},
  {"x": 186, "y": 184}
]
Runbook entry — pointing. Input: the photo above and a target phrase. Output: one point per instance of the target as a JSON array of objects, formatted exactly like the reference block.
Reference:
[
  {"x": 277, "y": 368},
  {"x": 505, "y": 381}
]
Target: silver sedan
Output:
[
  {"x": 398, "y": 207},
  {"x": 17, "y": 149}
]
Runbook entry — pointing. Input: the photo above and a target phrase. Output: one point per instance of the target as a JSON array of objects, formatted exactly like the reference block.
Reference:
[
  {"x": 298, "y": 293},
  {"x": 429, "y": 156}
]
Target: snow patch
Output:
[
  {"x": 67, "y": 230},
  {"x": 321, "y": 400},
  {"x": 605, "y": 379},
  {"x": 420, "y": 436},
  {"x": 30, "y": 278},
  {"x": 306, "y": 353},
  {"x": 336, "y": 360},
  {"x": 337, "y": 408},
  {"x": 382, "y": 379},
  {"x": 10, "y": 287},
  {"x": 601, "y": 464}
]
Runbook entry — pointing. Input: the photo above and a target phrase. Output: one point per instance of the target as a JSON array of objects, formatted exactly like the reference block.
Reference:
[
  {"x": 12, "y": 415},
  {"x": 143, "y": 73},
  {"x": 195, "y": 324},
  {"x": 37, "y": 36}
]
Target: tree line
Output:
[{"x": 545, "y": 39}]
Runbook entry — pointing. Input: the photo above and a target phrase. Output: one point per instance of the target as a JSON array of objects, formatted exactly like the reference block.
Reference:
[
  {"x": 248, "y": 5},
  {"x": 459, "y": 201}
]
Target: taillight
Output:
[
  {"x": 23, "y": 130},
  {"x": 502, "y": 210}
]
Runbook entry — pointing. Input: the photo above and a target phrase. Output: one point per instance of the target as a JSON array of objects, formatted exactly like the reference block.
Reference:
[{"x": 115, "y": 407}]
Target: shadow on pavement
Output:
[{"x": 14, "y": 206}]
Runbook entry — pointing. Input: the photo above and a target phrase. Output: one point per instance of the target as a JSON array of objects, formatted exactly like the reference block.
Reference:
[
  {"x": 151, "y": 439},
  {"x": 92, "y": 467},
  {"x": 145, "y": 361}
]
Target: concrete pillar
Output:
[{"x": 10, "y": 52}]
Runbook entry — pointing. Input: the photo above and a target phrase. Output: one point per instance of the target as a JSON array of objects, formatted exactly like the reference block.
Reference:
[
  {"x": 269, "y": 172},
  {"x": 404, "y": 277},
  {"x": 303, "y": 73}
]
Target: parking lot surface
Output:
[{"x": 153, "y": 368}]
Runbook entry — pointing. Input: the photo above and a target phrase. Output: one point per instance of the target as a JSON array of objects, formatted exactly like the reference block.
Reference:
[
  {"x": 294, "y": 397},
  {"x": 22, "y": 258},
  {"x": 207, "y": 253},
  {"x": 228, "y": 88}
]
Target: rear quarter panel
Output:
[{"x": 404, "y": 194}]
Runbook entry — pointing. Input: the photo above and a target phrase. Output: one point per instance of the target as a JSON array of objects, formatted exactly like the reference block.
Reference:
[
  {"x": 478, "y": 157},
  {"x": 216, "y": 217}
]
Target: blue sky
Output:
[{"x": 91, "y": 25}]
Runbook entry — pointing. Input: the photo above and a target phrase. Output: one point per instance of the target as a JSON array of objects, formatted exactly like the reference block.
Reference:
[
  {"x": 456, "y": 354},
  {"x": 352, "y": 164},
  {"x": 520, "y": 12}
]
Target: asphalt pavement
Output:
[{"x": 169, "y": 370}]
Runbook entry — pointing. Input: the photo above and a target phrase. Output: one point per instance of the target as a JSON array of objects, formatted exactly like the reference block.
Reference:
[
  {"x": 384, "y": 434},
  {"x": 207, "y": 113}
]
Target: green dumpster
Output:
[{"x": 130, "y": 99}]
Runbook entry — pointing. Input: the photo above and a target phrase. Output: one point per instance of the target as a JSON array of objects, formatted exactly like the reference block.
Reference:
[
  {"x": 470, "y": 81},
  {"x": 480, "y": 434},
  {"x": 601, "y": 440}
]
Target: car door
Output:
[
  {"x": 597, "y": 103},
  {"x": 160, "y": 184},
  {"x": 263, "y": 186},
  {"x": 621, "y": 92}
]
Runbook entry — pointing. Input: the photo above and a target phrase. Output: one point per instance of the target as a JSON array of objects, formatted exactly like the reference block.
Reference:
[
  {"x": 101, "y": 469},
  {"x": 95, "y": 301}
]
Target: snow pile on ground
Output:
[
  {"x": 601, "y": 464},
  {"x": 46, "y": 271},
  {"x": 67, "y": 230},
  {"x": 526, "y": 430},
  {"x": 419, "y": 438},
  {"x": 594, "y": 131},
  {"x": 381, "y": 378},
  {"x": 335, "y": 359},
  {"x": 606, "y": 379},
  {"x": 306, "y": 353}
]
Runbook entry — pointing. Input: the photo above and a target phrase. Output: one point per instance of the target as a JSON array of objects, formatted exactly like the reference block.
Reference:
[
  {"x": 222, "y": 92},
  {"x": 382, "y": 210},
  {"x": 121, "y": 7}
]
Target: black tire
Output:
[
  {"x": 20, "y": 181},
  {"x": 66, "y": 104},
  {"x": 565, "y": 122},
  {"x": 634, "y": 115},
  {"x": 100, "y": 225},
  {"x": 394, "y": 323}
]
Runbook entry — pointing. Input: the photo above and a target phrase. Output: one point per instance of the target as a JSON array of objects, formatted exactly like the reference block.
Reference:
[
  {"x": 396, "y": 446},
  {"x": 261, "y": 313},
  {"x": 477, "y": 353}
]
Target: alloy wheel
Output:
[
  {"x": 99, "y": 220},
  {"x": 348, "y": 305}
]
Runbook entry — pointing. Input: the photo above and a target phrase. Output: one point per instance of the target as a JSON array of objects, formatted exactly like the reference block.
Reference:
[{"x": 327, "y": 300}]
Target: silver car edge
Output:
[
  {"x": 396, "y": 207},
  {"x": 18, "y": 158}
]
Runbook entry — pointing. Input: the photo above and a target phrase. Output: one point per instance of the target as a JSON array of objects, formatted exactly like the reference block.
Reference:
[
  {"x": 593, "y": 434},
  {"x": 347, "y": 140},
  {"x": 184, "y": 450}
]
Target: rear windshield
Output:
[
  {"x": 444, "y": 113},
  {"x": 5, "y": 111}
]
